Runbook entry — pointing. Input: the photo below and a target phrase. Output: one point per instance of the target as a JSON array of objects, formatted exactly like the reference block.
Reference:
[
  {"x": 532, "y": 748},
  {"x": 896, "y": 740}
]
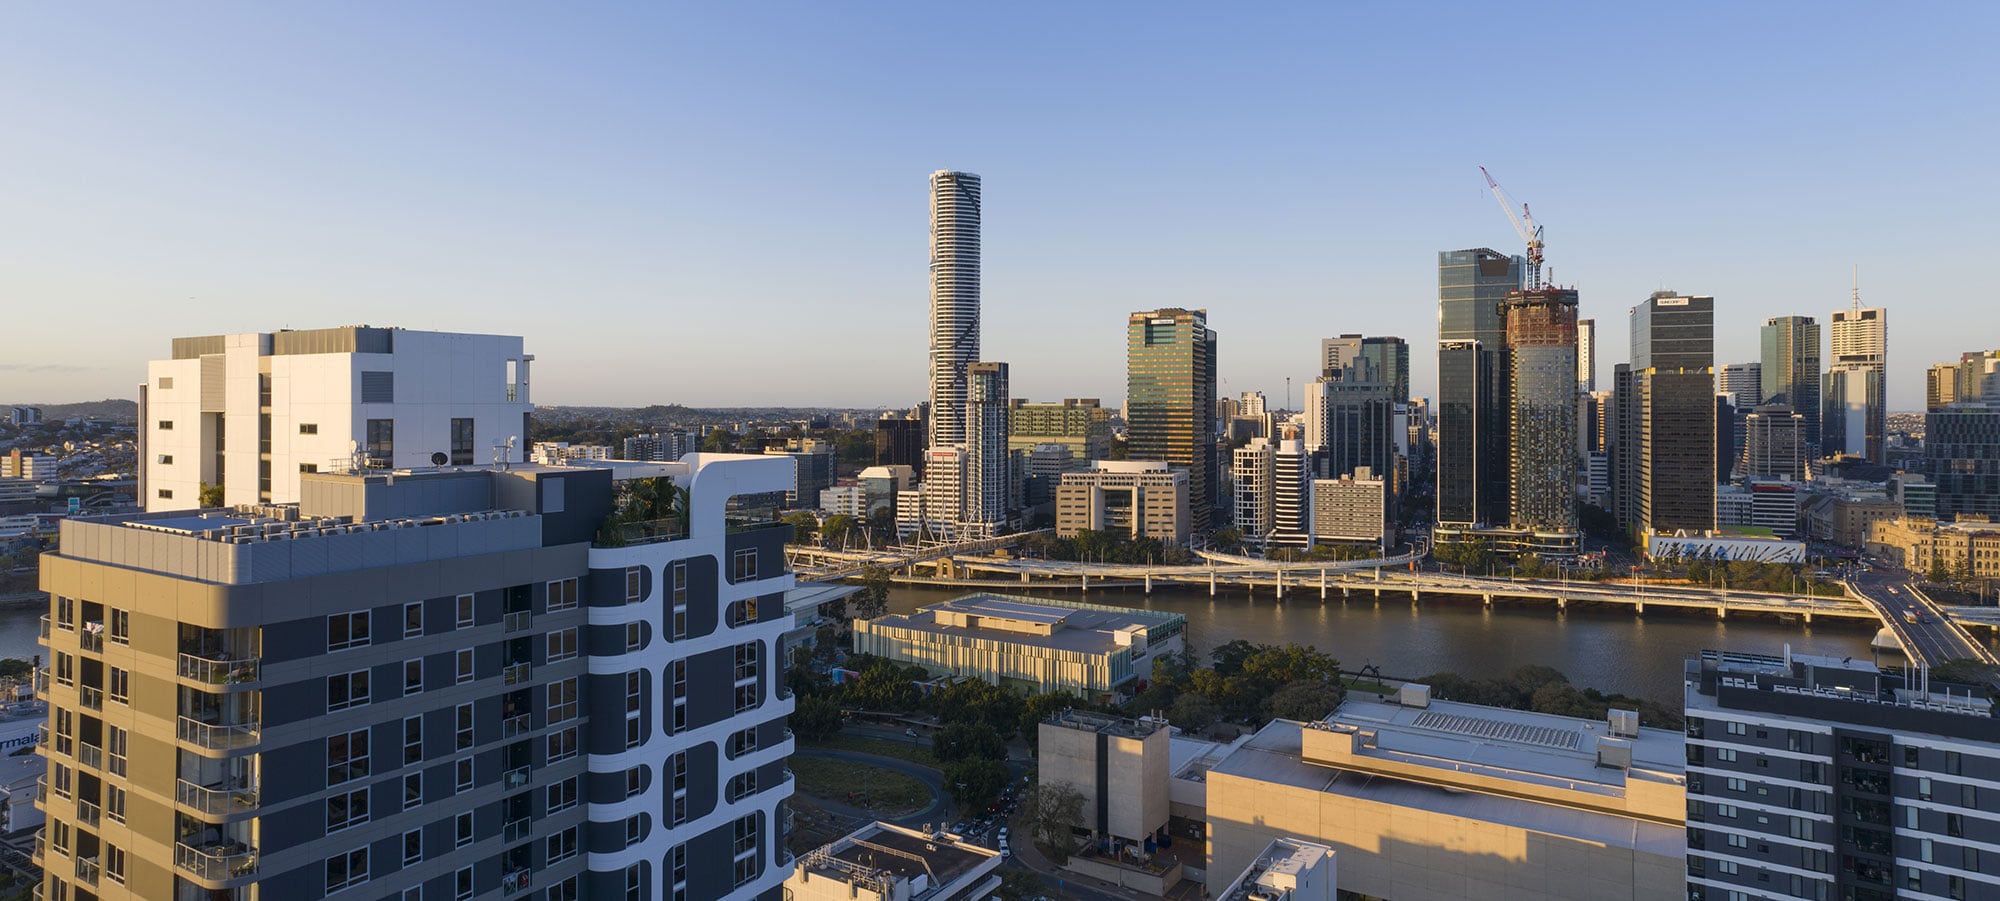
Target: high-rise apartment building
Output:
[
  {"x": 1586, "y": 355},
  {"x": 1673, "y": 370},
  {"x": 955, "y": 217},
  {"x": 1252, "y": 472},
  {"x": 1541, "y": 372},
  {"x": 1170, "y": 395},
  {"x": 1291, "y": 492},
  {"x": 1351, "y": 409},
  {"x": 252, "y": 412},
  {"x": 899, "y": 441},
  {"x": 1623, "y": 444},
  {"x": 661, "y": 447},
  {"x": 1818, "y": 777},
  {"x": 1940, "y": 386},
  {"x": 1472, "y": 406},
  {"x": 1383, "y": 359},
  {"x": 987, "y": 482},
  {"x": 1774, "y": 443},
  {"x": 1855, "y": 419},
  {"x": 1081, "y": 424},
  {"x": 1744, "y": 383},
  {"x": 1789, "y": 369},
  {"x": 439, "y": 684},
  {"x": 1962, "y": 458}
]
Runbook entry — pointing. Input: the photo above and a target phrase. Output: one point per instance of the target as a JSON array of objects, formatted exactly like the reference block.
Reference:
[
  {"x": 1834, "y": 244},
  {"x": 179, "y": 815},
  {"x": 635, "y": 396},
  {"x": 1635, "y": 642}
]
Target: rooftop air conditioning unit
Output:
[{"x": 1624, "y": 723}]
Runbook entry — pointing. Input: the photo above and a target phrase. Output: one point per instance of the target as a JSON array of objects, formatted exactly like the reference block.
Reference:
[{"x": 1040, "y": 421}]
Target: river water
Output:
[{"x": 1612, "y": 651}]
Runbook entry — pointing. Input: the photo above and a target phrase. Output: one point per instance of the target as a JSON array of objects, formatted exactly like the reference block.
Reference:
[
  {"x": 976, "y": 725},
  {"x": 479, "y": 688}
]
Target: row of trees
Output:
[
  {"x": 1245, "y": 683},
  {"x": 1106, "y": 547},
  {"x": 1545, "y": 689}
]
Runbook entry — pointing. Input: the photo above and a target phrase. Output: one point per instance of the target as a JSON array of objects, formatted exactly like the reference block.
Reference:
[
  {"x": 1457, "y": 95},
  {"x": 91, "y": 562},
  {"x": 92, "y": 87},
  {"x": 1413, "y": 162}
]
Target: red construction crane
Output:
[{"x": 1524, "y": 224}]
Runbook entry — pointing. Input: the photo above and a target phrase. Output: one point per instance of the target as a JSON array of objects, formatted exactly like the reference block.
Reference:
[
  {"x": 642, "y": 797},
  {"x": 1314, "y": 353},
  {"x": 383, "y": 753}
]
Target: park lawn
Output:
[
  {"x": 883, "y": 791},
  {"x": 914, "y": 753}
]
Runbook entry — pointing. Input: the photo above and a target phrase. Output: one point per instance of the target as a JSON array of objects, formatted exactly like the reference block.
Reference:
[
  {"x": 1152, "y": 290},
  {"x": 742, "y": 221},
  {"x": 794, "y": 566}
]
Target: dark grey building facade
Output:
[
  {"x": 1673, "y": 369},
  {"x": 1472, "y": 406}
]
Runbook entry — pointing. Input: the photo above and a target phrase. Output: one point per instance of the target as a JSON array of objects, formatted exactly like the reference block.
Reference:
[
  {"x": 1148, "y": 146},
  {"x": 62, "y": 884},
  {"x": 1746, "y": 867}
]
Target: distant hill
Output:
[{"x": 115, "y": 410}]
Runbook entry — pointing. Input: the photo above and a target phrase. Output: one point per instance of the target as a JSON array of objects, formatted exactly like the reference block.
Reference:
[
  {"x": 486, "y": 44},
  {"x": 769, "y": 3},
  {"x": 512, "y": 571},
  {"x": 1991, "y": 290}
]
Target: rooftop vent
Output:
[{"x": 1624, "y": 723}]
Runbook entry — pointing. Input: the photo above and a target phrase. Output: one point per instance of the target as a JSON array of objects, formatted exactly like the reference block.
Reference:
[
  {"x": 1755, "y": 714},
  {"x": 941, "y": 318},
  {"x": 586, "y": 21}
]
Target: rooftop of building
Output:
[
  {"x": 1275, "y": 755},
  {"x": 1839, "y": 689},
  {"x": 880, "y": 853},
  {"x": 1059, "y": 625},
  {"x": 1280, "y": 865},
  {"x": 1108, "y": 723}
]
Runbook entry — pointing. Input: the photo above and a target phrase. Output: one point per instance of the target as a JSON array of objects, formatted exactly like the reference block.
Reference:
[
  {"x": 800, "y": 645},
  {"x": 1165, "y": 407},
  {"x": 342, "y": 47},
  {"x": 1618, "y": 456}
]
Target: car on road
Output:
[{"x": 912, "y": 733}]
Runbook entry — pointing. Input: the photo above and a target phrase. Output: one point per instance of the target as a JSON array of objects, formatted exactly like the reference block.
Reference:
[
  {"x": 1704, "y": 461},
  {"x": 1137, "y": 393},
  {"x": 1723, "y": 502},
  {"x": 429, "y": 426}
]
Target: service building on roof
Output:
[
  {"x": 1431, "y": 800},
  {"x": 1028, "y": 643}
]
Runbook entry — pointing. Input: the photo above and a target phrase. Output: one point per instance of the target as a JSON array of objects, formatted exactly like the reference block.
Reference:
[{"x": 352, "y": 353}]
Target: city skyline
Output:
[{"x": 344, "y": 179}]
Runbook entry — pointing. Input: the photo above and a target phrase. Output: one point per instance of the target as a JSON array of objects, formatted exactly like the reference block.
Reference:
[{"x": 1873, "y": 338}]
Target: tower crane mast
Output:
[{"x": 1524, "y": 225}]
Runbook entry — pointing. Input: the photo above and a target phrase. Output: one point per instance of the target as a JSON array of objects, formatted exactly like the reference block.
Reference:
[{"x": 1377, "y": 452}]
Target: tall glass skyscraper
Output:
[
  {"x": 986, "y": 455},
  {"x": 1673, "y": 367},
  {"x": 1472, "y": 447},
  {"x": 1856, "y": 417},
  {"x": 1170, "y": 399},
  {"x": 955, "y": 209},
  {"x": 1789, "y": 369},
  {"x": 1541, "y": 366}
]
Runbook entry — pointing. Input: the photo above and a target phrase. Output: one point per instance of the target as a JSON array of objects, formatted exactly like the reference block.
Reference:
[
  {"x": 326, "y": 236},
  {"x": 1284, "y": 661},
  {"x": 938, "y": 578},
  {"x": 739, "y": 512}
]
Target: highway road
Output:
[{"x": 1927, "y": 634}]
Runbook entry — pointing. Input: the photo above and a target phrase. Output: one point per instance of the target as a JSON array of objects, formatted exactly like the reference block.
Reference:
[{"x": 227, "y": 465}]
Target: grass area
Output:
[
  {"x": 886, "y": 792},
  {"x": 1370, "y": 685},
  {"x": 914, "y": 753}
]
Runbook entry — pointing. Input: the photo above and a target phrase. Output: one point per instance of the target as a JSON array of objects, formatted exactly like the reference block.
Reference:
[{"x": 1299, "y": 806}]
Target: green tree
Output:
[
  {"x": 975, "y": 782},
  {"x": 962, "y": 741},
  {"x": 719, "y": 441},
  {"x": 1050, "y": 810},
  {"x": 1939, "y": 572},
  {"x": 1194, "y": 712},
  {"x": 805, "y": 527},
  {"x": 815, "y": 717},
  {"x": 977, "y": 701},
  {"x": 1037, "y": 708},
  {"x": 209, "y": 495},
  {"x": 1304, "y": 701},
  {"x": 1276, "y": 666},
  {"x": 14, "y": 667},
  {"x": 837, "y": 529},
  {"x": 873, "y": 598},
  {"x": 1226, "y": 540},
  {"x": 1020, "y": 885},
  {"x": 1228, "y": 657}
]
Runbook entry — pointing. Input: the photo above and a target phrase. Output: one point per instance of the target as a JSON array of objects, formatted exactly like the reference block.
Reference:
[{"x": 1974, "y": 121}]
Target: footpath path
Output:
[{"x": 936, "y": 812}]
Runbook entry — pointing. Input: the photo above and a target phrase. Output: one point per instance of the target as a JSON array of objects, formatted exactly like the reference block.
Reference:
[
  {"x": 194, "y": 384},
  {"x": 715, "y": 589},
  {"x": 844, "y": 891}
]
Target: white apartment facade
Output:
[{"x": 252, "y": 411}]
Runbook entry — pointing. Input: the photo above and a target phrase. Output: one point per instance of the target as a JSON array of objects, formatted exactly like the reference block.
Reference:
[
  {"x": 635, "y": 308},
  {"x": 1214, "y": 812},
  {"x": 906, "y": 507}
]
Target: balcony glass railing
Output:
[
  {"x": 41, "y": 852},
  {"x": 516, "y": 725},
  {"x": 516, "y": 882},
  {"x": 218, "y": 736},
  {"x": 92, "y": 698},
  {"x": 91, "y": 641},
  {"x": 215, "y": 800},
  {"x": 517, "y": 673},
  {"x": 520, "y": 621},
  {"x": 516, "y": 829},
  {"x": 45, "y": 625},
  {"x": 90, "y": 755},
  {"x": 516, "y": 777},
  {"x": 216, "y": 861},
  {"x": 42, "y": 789},
  {"x": 221, "y": 670},
  {"x": 86, "y": 871},
  {"x": 87, "y": 812},
  {"x": 41, "y": 681}
]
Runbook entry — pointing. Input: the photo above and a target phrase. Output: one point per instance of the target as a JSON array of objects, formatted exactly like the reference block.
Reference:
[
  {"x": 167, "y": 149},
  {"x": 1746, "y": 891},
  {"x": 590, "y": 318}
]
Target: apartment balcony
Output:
[
  {"x": 516, "y": 882},
  {"x": 221, "y": 670},
  {"x": 91, "y": 641},
  {"x": 517, "y": 725},
  {"x": 42, "y": 790},
  {"x": 90, "y": 755},
  {"x": 516, "y": 777},
  {"x": 87, "y": 812},
  {"x": 218, "y": 736},
  {"x": 216, "y": 861},
  {"x": 519, "y": 621},
  {"x": 42, "y": 735},
  {"x": 87, "y": 871},
  {"x": 41, "y": 681},
  {"x": 219, "y": 800},
  {"x": 91, "y": 698},
  {"x": 41, "y": 852},
  {"x": 517, "y": 829},
  {"x": 45, "y": 625},
  {"x": 517, "y": 673}
]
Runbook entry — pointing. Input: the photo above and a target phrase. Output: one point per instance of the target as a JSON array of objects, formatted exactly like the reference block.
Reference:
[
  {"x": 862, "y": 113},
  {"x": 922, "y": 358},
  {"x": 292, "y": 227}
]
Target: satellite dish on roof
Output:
[{"x": 438, "y": 458}]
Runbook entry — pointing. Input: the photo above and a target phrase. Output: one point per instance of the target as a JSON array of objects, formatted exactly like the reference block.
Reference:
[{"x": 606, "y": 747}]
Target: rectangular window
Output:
[
  {"x": 562, "y": 796},
  {"x": 381, "y": 446},
  {"x": 677, "y": 671},
  {"x": 413, "y": 677},
  {"x": 635, "y": 883},
  {"x": 119, "y": 685},
  {"x": 635, "y": 781},
  {"x": 166, "y": 425},
  {"x": 462, "y": 450},
  {"x": 65, "y": 669},
  {"x": 635, "y": 636},
  {"x": 466, "y": 614},
  {"x": 308, "y": 428},
  {"x": 309, "y": 467},
  {"x": 413, "y": 847},
  {"x": 114, "y": 863},
  {"x": 562, "y": 595},
  {"x": 462, "y": 884},
  {"x": 562, "y": 645},
  {"x": 462, "y": 831},
  {"x": 677, "y": 873},
  {"x": 561, "y": 745},
  {"x": 463, "y": 666},
  {"x": 346, "y": 757},
  {"x": 413, "y": 740},
  {"x": 1736, "y": 728},
  {"x": 462, "y": 771},
  {"x": 413, "y": 790},
  {"x": 346, "y": 870},
  {"x": 413, "y": 619},
  {"x": 166, "y": 459},
  {"x": 562, "y": 703},
  {"x": 116, "y": 742},
  {"x": 121, "y": 626},
  {"x": 346, "y": 809},
  {"x": 1726, "y": 755},
  {"x": 635, "y": 584},
  {"x": 463, "y": 727},
  {"x": 347, "y": 630},
  {"x": 166, "y": 382},
  {"x": 680, "y": 600},
  {"x": 635, "y": 830},
  {"x": 347, "y": 690},
  {"x": 114, "y": 802},
  {"x": 677, "y": 767},
  {"x": 745, "y": 561},
  {"x": 165, "y": 494},
  {"x": 746, "y": 849},
  {"x": 561, "y": 846}
]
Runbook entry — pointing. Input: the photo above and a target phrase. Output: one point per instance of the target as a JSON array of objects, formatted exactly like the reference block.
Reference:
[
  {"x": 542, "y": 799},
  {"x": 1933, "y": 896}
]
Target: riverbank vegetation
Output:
[{"x": 1545, "y": 689}]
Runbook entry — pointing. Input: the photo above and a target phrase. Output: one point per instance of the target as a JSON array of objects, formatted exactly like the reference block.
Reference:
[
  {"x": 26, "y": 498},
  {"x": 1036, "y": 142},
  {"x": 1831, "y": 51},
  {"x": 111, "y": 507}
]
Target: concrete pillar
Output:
[
  {"x": 1086, "y": 581},
  {"x": 1322, "y": 583},
  {"x": 1489, "y": 598},
  {"x": 1722, "y": 612},
  {"x": 1808, "y": 617},
  {"x": 1562, "y": 603},
  {"x": 1149, "y": 581},
  {"x": 1024, "y": 576},
  {"x": 1281, "y": 584},
  {"x": 1211, "y": 581},
  {"x": 1640, "y": 607}
]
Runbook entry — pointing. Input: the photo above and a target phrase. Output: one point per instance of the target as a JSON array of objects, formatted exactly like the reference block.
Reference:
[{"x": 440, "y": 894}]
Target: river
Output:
[{"x": 1608, "y": 650}]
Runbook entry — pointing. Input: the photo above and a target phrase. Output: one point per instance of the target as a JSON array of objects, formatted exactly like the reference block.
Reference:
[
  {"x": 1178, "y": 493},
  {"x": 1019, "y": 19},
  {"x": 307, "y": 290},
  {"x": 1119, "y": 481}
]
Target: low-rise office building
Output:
[
  {"x": 1286, "y": 870},
  {"x": 1352, "y": 510},
  {"x": 1820, "y": 777},
  {"x": 1137, "y": 499},
  {"x": 884, "y": 862},
  {"x": 1028, "y": 643},
  {"x": 1966, "y": 548},
  {"x": 1841, "y": 516},
  {"x": 1722, "y": 545},
  {"x": 1120, "y": 766},
  {"x": 1428, "y": 800}
]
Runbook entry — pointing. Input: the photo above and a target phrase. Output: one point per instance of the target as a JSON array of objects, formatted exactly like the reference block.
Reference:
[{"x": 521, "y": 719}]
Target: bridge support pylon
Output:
[
  {"x": 1024, "y": 576},
  {"x": 1639, "y": 606},
  {"x": 1808, "y": 617},
  {"x": 1322, "y": 583},
  {"x": 1149, "y": 581},
  {"x": 1211, "y": 581},
  {"x": 1562, "y": 603},
  {"x": 1722, "y": 612},
  {"x": 1488, "y": 597},
  {"x": 1281, "y": 584}
]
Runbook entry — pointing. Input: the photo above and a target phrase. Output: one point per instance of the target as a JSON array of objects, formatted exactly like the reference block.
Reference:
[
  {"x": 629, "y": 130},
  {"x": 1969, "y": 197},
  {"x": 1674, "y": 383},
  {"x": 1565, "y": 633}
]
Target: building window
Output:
[
  {"x": 741, "y": 786},
  {"x": 378, "y": 387},
  {"x": 562, "y": 595},
  {"x": 635, "y": 829},
  {"x": 347, "y": 630},
  {"x": 566, "y": 890},
  {"x": 635, "y": 584},
  {"x": 678, "y": 766},
  {"x": 308, "y": 428},
  {"x": 462, "y": 662},
  {"x": 462, "y": 831},
  {"x": 742, "y": 742},
  {"x": 114, "y": 863},
  {"x": 680, "y": 600},
  {"x": 119, "y": 685},
  {"x": 65, "y": 669},
  {"x": 635, "y": 689},
  {"x": 166, "y": 383},
  {"x": 635, "y": 636},
  {"x": 413, "y": 790},
  {"x": 413, "y": 847},
  {"x": 121, "y": 626},
  {"x": 346, "y": 809},
  {"x": 462, "y": 771},
  {"x": 346, "y": 757},
  {"x": 745, "y": 562},
  {"x": 561, "y": 745},
  {"x": 746, "y": 849},
  {"x": 749, "y": 690},
  {"x": 116, "y": 741},
  {"x": 65, "y": 613},
  {"x": 562, "y": 796},
  {"x": 635, "y": 781},
  {"x": 413, "y": 619},
  {"x": 165, "y": 494},
  {"x": 635, "y": 882},
  {"x": 461, "y": 442},
  {"x": 347, "y": 690},
  {"x": 309, "y": 467},
  {"x": 166, "y": 459},
  {"x": 561, "y": 846},
  {"x": 466, "y": 614},
  {"x": 677, "y": 872},
  {"x": 381, "y": 446},
  {"x": 114, "y": 802},
  {"x": 462, "y": 726},
  {"x": 562, "y": 701},
  {"x": 462, "y": 884},
  {"x": 346, "y": 870},
  {"x": 562, "y": 645},
  {"x": 413, "y": 677},
  {"x": 413, "y": 740},
  {"x": 166, "y": 425},
  {"x": 743, "y": 612},
  {"x": 678, "y": 673}
]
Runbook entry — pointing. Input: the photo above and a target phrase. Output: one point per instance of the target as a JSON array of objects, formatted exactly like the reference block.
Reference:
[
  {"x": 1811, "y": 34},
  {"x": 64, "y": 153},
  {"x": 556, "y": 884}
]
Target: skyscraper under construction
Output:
[{"x": 1541, "y": 374}]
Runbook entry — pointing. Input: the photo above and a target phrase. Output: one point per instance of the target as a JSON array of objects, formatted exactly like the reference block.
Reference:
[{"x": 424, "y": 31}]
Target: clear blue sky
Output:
[{"x": 724, "y": 203}]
